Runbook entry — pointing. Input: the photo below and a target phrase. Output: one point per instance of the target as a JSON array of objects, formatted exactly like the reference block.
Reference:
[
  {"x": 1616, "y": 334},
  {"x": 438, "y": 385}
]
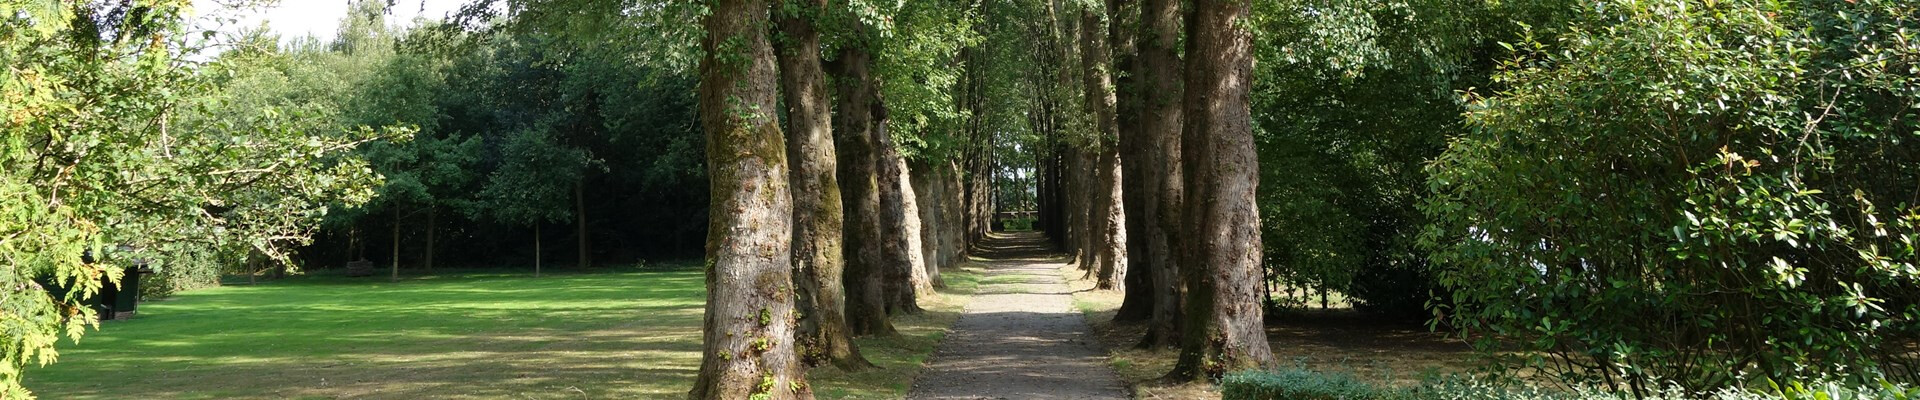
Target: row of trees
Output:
[
  {"x": 1637, "y": 193},
  {"x": 518, "y": 131},
  {"x": 829, "y": 223}
]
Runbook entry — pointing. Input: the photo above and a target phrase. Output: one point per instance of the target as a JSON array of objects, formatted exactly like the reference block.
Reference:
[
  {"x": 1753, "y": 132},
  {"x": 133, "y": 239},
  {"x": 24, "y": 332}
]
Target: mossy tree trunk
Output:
[
  {"x": 748, "y": 346},
  {"x": 860, "y": 190},
  {"x": 1108, "y": 218},
  {"x": 1223, "y": 330},
  {"x": 818, "y": 240}
]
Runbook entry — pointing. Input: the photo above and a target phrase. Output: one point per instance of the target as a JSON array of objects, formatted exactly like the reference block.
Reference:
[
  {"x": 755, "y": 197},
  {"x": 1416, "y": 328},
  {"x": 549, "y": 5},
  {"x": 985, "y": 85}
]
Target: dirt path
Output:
[{"x": 1020, "y": 337}]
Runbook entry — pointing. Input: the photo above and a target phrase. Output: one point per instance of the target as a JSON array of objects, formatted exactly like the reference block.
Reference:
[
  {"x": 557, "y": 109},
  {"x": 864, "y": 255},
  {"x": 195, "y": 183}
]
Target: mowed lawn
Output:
[{"x": 631, "y": 334}]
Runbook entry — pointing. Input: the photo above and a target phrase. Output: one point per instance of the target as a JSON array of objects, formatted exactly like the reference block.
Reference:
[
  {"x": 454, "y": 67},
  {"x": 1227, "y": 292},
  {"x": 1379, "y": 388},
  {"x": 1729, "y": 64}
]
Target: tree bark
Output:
[
  {"x": 860, "y": 189},
  {"x": 900, "y": 225},
  {"x": 818, "y": 251},
  {"x": 748, "y": 346},
  {"x": 924, "y": 176},
  {"x": 1161, "y": 73},
  {"x": 1137, "y": 304},
  {"x": 1224, "y": 317},
  {"x": 1108, "y": 217}
]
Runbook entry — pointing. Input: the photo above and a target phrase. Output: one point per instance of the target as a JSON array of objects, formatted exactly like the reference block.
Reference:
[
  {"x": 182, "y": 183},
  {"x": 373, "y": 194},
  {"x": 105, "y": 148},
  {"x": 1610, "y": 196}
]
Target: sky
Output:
[{"x": 321, "y": 18}]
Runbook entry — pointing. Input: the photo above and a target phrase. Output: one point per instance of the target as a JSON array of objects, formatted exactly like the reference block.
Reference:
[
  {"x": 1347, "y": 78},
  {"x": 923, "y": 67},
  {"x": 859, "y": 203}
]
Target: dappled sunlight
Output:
[{"x": 1020, "y": 338}]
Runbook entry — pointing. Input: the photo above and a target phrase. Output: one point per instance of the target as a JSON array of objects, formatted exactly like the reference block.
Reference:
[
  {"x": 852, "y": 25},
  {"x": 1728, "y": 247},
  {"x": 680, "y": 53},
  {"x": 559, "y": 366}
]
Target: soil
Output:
[{"x": 1021, "y": 337}]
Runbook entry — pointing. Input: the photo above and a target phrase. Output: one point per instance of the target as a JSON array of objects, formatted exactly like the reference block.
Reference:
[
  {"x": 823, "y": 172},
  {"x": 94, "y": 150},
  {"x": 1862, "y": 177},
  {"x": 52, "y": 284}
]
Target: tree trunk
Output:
[
  {"x": 1108, "y": 226},
  {"x": 859, "y": 185},
  {"x": 1110, "y": 221},
  {"x": 580, "y": 222},
  {"x": 1160, "y": 168},
  {"x": 926, "y": 194},
  {"x": 396, "y": 243},
  {"x": 1137, "y": 304},
  {"x": 955, "y": 214},
  {"x": 748, "y": 347},
  {"x": 818, "y": 253},
  {"x": 914, "y": 229},
  {"x": 1224, "y": 330},
  {"x": 536, "y": 250},
  {"x": 899, "y": 224},
  {"x": 433, "y": 221}
]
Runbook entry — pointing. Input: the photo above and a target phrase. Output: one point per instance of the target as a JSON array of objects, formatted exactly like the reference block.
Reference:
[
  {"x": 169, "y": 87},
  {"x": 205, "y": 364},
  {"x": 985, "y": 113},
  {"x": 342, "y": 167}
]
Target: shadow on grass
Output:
[
  {"x": 480, "y": 334},
  {"x": 608, "y": 335}
]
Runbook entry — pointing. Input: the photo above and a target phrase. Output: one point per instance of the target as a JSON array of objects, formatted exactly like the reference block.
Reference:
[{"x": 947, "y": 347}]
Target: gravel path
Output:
[{"x": 1020, "y": 337}]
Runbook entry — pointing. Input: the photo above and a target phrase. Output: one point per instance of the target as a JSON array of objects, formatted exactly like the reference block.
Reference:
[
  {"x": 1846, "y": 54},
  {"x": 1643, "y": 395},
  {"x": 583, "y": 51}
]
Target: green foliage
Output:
[
  {"x": 534, "y": 183},
  {"x": 1692, "y": 190},
  {"x": 1300, "y": 384},
  {"x": 1352, "y": 98},
  {"x": 916, "y": 64},
  {"x": 1304, "y": 384},
  {"x": 114, "y": 141}
]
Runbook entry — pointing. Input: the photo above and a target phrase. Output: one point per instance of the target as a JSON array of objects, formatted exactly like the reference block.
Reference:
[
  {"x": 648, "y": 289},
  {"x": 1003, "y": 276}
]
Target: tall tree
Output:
[
  {"x": 1108, "y": 224},
  {"x": 818, "y": 252},
  {"x": 534, "y": 184},
  {"x": 1157, "y": 155},
  {"x": 1137, "y": 303},
  {"x": 1224, "y": 315},
  {"x": 859, "y": 106},
  {"x": 899, "y": 225},
  {"x": 114, "y": 135},
  {"x": 748, "y": 348}
]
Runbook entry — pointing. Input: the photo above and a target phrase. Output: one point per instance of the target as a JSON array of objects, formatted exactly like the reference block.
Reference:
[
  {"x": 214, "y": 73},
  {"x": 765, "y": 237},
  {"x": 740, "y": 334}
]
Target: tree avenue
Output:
[{"x": 1623, "y": 198}]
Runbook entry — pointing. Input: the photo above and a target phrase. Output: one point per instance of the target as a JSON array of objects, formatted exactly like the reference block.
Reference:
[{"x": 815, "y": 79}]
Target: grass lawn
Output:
[{"x": 613, "y": 334}]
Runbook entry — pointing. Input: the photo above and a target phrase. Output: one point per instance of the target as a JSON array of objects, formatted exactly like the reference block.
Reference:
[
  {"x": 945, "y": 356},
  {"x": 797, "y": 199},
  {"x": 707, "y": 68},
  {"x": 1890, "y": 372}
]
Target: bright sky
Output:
[{"x": 321, "y": 18}]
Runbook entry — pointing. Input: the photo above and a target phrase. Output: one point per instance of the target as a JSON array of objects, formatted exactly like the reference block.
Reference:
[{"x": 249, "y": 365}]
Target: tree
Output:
[
  {"x": 818, "y": 223},
  {"x": 112, "y": 138},
  {"x": 533, "y": 184},
  {"x": 860, "y": 115},
  {"x": 1691, "y": 192},
  {"x": 748, "y": 349},
  {"x": 1224, "y": 328},
  {"x": 1108, "y": 228},
  {"x": 1157, "y": 153}
]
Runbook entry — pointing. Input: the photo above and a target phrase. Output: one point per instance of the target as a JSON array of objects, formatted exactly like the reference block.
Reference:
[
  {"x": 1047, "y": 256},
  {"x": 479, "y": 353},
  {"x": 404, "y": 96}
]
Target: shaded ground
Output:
[
  {"x": 1335, "y": 340},
  {"x": 598, "y": 335},
  {"x": 1020, "y": 337}
]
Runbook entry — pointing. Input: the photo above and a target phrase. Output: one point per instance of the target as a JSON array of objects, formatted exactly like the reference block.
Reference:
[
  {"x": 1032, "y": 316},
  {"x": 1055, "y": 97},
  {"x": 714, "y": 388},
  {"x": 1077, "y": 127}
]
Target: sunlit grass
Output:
[{"x": 619, "y": 334}]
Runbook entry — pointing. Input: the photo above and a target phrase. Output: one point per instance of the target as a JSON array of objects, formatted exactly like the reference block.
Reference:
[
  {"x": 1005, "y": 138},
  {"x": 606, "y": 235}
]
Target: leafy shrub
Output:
[
  {"x": 1303, "y": 384},
  {"x": 1693, "y": 190}
]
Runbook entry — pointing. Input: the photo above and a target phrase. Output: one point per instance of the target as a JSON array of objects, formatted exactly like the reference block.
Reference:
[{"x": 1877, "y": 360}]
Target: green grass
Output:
[{"x": 623, "y": 334}]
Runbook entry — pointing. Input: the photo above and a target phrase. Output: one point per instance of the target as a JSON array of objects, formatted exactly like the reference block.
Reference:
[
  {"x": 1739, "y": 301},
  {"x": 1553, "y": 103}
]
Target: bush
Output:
[
  {"x": 1300, "y": 384},
  {"x": 1689, "y": 191}
]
